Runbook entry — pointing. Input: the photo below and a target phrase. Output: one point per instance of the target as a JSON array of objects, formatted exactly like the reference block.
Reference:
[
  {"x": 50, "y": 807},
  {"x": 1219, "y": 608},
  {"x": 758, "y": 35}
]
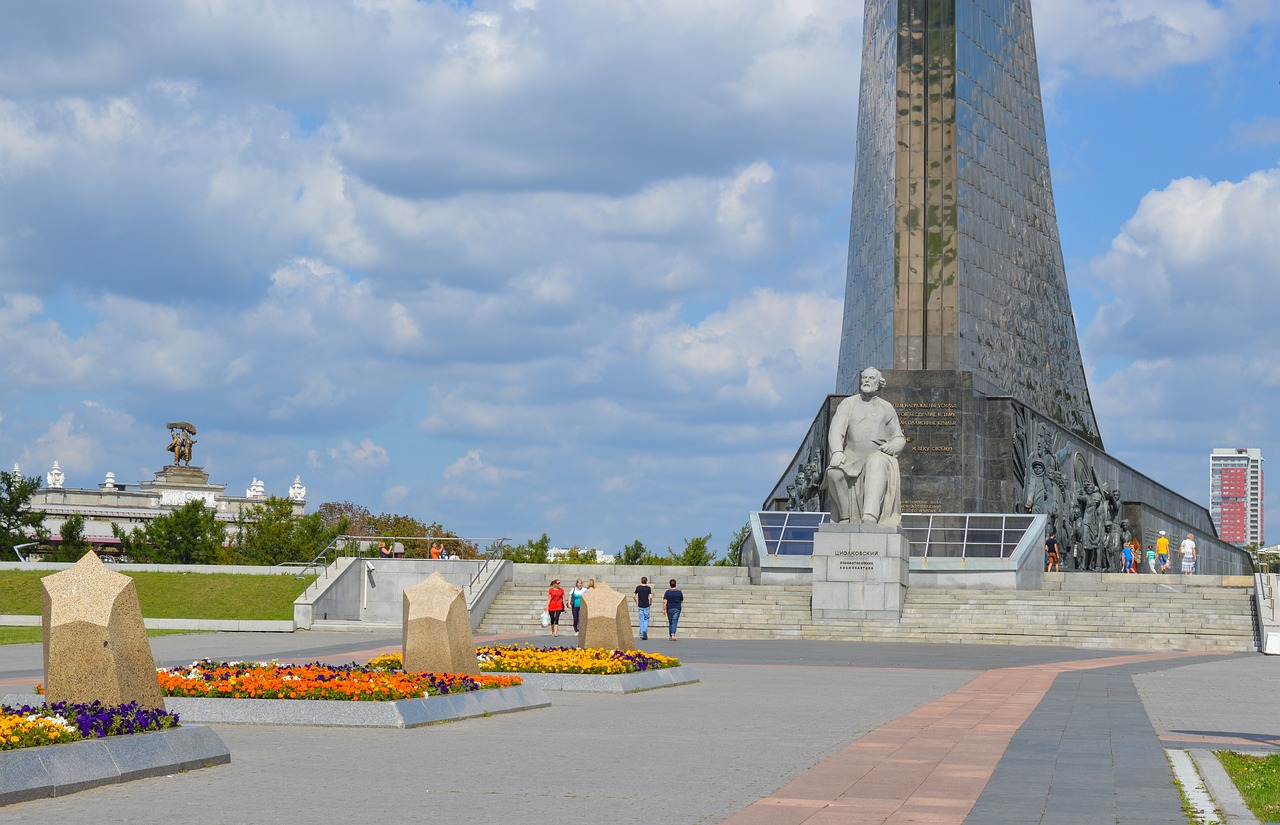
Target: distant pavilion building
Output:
[{"x": 134, "y": 505}]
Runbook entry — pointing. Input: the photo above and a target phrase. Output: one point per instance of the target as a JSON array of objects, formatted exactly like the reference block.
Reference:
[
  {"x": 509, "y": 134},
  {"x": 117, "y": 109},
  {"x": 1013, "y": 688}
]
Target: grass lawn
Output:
[
  {"x": 177, "y": 595},
  {"x": 29, "y": 635},
  {"x": 1258, "y": 778}
]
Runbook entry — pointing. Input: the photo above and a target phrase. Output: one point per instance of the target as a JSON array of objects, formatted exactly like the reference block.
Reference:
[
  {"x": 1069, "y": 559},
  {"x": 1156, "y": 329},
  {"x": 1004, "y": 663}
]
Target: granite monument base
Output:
[{"x": 859, "y": 571}]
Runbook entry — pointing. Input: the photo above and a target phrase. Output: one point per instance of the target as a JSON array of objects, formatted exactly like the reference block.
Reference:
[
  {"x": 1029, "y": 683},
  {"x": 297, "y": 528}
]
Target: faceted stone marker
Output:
[
  {"x": 95, "y": 644},
  {"x": 860, "y": 571},
  {"x": 605, "y": 620},
  {"x": 437, "y": 628}
]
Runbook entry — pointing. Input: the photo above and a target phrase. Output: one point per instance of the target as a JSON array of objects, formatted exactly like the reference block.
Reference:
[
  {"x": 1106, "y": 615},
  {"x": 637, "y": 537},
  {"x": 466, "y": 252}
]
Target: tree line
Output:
[
  {"x": 269, "y": 533},
  {"x": 697, "y": 552}
]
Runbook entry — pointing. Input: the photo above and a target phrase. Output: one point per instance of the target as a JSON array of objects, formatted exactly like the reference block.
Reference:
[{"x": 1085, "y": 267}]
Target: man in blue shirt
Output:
[{"x": 673, "y": 602}]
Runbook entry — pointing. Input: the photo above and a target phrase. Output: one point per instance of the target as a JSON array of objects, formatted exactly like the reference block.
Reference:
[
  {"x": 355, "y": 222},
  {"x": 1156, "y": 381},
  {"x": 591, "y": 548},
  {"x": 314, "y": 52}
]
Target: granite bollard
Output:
[
  {"x": 437, "y": 628},
  {"x": 95, "y": 644},
  {"x": 605, "y": 620}
]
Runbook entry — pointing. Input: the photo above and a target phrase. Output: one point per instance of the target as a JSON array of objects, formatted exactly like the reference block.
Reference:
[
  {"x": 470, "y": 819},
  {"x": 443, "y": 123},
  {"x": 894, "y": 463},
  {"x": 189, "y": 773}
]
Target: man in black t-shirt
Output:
[
  {"x": 643, "y": 595},
  {"x": 1051, "y": 553}
]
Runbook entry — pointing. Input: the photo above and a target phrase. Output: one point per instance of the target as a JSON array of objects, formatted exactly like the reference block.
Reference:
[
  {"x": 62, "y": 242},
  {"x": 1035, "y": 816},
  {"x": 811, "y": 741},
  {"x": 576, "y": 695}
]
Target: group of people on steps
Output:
[{"x": 672, "y": 604}]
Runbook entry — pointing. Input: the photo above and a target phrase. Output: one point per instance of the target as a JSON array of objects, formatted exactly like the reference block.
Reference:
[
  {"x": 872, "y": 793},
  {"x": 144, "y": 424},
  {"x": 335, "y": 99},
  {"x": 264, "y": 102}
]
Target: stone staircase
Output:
[
  {"x": 1134, "y": 613},
  {"x": 723, "y": 611}
]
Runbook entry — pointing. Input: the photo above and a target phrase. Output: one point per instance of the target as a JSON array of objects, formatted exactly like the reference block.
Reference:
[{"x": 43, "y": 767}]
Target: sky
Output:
[{"x": 522, "y": 266}]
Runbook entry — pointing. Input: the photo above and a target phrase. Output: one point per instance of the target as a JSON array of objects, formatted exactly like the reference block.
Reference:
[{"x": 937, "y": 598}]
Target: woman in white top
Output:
[
  {"x": 575, "y": 601},
  {"x": 1187, "y": 551}
]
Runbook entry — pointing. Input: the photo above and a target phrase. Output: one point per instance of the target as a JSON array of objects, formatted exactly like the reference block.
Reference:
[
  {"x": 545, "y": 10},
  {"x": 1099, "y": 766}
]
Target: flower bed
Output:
[
  {"x": 527, "y": 659},
  {"x": 28, "y": 725},
  {"x": 353, "y": 682}
]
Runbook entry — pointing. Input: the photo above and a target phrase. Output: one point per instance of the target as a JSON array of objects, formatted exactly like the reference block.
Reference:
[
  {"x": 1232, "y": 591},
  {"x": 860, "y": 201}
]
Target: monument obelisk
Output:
[
  {"x": 954, "y": 257},
  {"x": 955, "y": 288}
]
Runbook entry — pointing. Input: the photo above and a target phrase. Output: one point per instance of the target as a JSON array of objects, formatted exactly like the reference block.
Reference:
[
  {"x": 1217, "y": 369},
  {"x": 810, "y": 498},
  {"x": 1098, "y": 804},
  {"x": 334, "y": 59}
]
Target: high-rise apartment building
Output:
[{"x": 1235, "y": 494}]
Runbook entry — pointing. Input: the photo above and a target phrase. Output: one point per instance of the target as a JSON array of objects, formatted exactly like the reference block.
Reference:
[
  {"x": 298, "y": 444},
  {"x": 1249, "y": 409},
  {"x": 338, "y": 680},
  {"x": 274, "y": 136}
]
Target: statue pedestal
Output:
[
  {"x": 175, "y": 486},
  {"x": 860, "y": 571},
  {"x": 182, "y": 476}
]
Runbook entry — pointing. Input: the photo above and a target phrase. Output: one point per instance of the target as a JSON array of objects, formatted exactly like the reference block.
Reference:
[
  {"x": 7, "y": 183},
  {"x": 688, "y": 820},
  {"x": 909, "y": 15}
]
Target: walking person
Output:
[
  {"x": 1162, "y": 552},
  {"x": 555, "y": 605},
  {"x": 1151, "y": 559},
  {"x": 1187, "y": 554},
  {"x": 643, "y": 595},
  {"x": 673, "y": 603},
  {"x": 1051, "y": 557},
  {"x": 575, "y": 601}
]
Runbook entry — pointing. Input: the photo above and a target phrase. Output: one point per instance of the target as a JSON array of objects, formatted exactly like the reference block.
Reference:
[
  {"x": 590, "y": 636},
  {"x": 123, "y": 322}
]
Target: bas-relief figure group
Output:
[{"x": 1085, "y": 513}]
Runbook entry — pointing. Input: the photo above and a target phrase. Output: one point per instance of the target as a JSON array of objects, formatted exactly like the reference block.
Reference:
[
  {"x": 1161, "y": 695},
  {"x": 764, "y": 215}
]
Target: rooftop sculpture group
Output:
[{"x": 181, "y": 442}]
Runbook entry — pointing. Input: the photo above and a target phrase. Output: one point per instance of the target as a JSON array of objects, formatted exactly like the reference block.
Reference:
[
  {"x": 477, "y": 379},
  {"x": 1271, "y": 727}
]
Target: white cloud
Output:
[
  {"x": 1132, "y": 40},
  {"x": 1193, "y": 270},
  {"x": 395, "y": 494},
  {"x": 760, "y": 350},
  {"x": 472, "y": 478},
  {"x": 1263, "y": 131},
  {"x": 364, "y": 456}
]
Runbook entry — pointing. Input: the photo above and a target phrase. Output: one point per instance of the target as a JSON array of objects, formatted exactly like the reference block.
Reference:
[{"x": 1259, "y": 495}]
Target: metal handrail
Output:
[
  {"x": 344, "y": 543},
  {"x": 495, "y": 551},
  {"x": 17, "y": 549}
]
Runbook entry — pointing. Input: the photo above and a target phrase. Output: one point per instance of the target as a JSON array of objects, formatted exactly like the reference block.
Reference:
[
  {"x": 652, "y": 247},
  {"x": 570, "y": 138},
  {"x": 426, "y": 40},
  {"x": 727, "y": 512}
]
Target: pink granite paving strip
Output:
[{"x": 928, "y": 767}]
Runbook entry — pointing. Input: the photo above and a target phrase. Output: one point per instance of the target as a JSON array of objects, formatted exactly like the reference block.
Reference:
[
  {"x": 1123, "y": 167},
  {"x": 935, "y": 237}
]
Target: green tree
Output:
[
  {"x": 637, "y": 553},
  {"x": 633, "y": 553},
  {"x": 73, "y": 544},
  {"x": 190, "y": 534},
  {"x": 733, "y": 555},
  {"x": 536, "y": 551},
  {"x": 347, "y": 517},
  {"x": 16, "y": 517},
  {"x": 695, "y": 553},
  {"x": 270, "y": 533},
  {"x": 579, "y": 555},
  {"x": 357, "y": 520}
]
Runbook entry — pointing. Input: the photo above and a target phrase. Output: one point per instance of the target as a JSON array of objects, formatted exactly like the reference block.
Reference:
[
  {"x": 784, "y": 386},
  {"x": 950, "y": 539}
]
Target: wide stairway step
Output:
[{"x": 1142, "y": 617}]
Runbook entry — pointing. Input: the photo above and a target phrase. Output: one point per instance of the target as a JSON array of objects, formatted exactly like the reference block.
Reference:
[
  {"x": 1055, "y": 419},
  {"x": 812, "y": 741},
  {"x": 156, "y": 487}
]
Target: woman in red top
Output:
[{"x": 555, "y": 605}]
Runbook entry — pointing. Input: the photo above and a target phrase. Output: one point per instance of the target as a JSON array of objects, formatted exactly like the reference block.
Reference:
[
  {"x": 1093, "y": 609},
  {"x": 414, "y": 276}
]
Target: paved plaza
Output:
[{"x": 775, "y": 732}]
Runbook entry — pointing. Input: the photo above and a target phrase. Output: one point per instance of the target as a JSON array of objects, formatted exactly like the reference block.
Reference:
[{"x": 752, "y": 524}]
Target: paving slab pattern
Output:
[
  {"x": 694, "y": 754},
  {"x": 776, "y": 731}
]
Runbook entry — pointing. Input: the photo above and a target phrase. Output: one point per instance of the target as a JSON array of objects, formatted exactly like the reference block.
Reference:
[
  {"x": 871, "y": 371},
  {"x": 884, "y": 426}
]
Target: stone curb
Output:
[
  {"x": 620, "y": 683},
  {"x": 404, "y": 713},
  {"x": 58, "y": 770},
  {"x": 1224, "y": 792},
  {"x": 230, "y": 625}
]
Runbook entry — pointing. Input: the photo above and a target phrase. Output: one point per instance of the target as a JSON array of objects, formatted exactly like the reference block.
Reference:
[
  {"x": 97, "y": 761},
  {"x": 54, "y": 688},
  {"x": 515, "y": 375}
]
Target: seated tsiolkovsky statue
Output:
[{"x": 862, "y": 480}]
